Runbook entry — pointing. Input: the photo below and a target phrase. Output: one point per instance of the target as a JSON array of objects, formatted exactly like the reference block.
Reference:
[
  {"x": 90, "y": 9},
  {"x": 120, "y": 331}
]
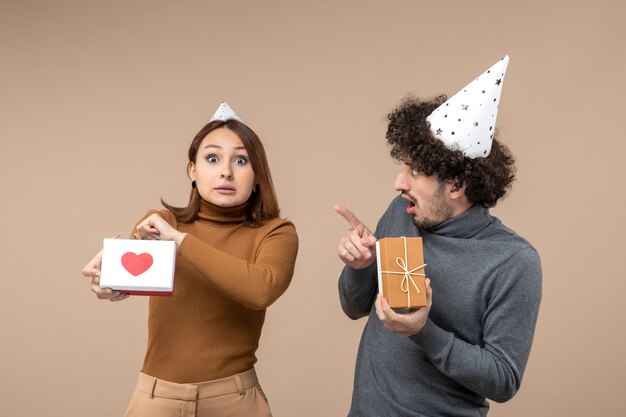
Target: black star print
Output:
[
  {"x": 453, "y": 133},
  {"x": 490, "y": 127},
  {"x": 483, "y": 91},
  {"x": 475, "y": 123},
  {"x": 439, "y": 132},
  {"x": 464, "y": 106},
  {"x": 445, "y": 115},
  {"x": 459, "y": 120},
  {"x": 494, "y": 100},
  {"x": 498, "y": 81}
]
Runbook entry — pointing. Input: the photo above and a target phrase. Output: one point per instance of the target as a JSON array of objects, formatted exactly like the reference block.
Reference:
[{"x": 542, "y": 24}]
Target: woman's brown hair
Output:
[{"x": 262, "y": 204}]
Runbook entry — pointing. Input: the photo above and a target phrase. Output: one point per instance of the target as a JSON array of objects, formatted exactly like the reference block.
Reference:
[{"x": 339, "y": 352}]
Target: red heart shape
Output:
[{"x": 136, "y": 264}]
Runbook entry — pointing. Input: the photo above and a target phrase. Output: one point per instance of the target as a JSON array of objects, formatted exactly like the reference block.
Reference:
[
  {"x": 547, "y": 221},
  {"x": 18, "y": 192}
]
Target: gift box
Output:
[
  {"x": 401, "y": 277},
  {"x": 138, "y": 267}
]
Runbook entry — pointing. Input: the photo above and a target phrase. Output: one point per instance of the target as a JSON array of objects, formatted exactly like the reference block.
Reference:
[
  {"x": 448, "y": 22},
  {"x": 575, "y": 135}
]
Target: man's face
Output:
[{"x": 428, "y": 202}]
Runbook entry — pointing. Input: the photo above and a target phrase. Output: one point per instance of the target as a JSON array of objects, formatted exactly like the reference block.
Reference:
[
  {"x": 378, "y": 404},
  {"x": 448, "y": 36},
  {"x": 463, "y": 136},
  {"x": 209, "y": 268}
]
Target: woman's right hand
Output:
[
  {"x": 154, "y": 227},
  {"x": 92, "y": 270},
  {"x": 147, "y": 229}
]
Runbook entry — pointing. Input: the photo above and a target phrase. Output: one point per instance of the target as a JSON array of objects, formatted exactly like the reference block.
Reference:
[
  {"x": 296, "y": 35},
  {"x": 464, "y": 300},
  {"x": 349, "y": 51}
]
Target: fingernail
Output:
[
  {"x": 116, "y": 293},
  {"x": 126, "y": 296}
]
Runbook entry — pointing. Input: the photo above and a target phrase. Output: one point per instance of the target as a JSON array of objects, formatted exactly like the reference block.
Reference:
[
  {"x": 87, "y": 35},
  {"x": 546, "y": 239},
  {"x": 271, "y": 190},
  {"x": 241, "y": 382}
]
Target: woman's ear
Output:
[{"x": 191, "y": 171}]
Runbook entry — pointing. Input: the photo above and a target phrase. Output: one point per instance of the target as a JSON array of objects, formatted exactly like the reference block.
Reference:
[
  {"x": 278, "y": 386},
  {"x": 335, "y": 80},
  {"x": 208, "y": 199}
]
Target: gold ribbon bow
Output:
[{"x": 408, "y": 274}]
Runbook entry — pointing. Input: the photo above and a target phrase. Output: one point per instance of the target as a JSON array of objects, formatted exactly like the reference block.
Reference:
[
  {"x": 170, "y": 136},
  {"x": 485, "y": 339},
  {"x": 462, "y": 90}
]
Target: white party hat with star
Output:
[
  {"x": 466, "y": 122},
  {"x": 225, "y": 112}
]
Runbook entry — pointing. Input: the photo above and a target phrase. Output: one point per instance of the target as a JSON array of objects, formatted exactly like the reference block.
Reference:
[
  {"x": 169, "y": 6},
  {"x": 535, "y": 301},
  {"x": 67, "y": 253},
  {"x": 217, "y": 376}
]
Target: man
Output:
[{"x": 472, "y": 340}]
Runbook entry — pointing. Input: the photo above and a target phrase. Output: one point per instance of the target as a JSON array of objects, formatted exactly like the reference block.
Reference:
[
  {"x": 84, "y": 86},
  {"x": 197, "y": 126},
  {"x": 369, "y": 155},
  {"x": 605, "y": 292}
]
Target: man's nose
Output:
[{"x": 400, "y": 183}]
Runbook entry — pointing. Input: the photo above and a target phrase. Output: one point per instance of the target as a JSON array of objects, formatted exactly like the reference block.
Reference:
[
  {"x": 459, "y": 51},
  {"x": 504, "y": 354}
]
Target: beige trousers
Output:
[{"x": 239, "y": 395}]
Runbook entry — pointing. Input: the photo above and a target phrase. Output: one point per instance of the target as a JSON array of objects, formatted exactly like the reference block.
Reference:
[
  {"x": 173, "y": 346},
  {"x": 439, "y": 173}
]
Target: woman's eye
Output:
[
  {"x": 241, "y": 160},
  {"x": 211, "y": 158}
]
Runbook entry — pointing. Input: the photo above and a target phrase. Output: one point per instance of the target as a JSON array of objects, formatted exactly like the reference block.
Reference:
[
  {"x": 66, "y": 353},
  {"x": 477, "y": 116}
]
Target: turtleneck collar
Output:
[
  {"x": 222, "y": 215},
  {"x": 466, "y": 224}
]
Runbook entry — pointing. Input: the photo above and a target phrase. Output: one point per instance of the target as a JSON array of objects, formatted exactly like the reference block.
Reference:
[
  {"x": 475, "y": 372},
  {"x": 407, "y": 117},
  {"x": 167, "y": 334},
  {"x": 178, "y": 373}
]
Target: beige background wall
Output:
[{"x": 98, "y": 103}]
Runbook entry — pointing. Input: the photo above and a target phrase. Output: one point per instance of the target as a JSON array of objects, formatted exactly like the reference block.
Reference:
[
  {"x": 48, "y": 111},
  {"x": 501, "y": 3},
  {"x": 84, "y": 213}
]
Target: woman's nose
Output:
[{"x": 227, "y": 171}]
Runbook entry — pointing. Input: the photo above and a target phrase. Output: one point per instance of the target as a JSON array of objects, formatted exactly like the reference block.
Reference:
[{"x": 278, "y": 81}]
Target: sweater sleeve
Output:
[
  {"x": 357, "y": 290},
  {"x": 255, "y": 284},
  {"x": 495, "y": 368}
]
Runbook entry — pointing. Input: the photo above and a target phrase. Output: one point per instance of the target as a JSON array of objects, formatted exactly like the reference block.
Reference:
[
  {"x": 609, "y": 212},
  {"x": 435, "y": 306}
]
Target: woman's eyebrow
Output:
[{"x": 239, "y": 148}]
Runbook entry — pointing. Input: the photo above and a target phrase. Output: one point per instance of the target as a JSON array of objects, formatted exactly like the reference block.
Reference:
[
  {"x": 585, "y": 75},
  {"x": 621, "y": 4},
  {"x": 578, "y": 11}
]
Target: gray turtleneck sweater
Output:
[{"x": 486, "y": 283}]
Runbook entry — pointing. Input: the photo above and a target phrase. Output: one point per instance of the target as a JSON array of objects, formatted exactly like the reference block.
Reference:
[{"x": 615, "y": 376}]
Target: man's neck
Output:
[{"x": 459, "y": 209}]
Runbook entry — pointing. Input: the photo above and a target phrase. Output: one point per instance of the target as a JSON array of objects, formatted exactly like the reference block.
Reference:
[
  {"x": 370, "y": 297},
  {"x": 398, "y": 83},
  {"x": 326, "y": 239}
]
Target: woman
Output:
[{"x": 235, "y": 257}]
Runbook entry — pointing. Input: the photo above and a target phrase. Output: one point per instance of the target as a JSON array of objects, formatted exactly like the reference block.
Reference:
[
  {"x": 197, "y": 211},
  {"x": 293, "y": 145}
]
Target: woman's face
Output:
[{"x": 222, "y": 170}]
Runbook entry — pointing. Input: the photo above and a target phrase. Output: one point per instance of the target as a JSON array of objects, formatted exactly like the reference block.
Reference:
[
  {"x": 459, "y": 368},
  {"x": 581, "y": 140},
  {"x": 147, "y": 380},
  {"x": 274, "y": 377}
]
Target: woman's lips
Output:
[{"x": 225, "y": 190}]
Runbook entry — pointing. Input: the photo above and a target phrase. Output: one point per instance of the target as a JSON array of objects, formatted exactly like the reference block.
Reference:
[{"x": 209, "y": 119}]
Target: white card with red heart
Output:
[{"x": 138, "y": 267}]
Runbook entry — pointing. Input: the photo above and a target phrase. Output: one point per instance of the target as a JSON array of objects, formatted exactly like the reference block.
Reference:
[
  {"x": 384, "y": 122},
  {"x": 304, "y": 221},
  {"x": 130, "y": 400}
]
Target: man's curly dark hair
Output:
[{"x": 412, "y": 142}]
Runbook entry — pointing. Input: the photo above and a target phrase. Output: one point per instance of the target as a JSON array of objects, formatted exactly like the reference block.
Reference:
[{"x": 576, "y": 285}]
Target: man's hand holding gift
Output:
[
  {"x": 409, "y": 323},
  {"x": 357, "y": 249}
]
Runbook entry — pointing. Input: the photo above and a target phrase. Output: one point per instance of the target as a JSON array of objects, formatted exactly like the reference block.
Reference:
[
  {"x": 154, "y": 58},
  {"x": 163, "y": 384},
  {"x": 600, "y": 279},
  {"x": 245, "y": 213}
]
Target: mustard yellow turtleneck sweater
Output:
[{"x": 227, "y": 274}]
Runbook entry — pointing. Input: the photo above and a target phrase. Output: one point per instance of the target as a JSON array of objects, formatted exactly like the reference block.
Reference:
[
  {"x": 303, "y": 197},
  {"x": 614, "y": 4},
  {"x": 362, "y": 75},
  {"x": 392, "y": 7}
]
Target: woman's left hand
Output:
[{"x": 154, "y": 227}]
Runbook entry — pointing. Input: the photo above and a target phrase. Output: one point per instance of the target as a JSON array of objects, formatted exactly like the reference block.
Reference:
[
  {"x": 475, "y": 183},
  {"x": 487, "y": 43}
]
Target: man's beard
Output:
[{"x": 439, "y": 212}]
